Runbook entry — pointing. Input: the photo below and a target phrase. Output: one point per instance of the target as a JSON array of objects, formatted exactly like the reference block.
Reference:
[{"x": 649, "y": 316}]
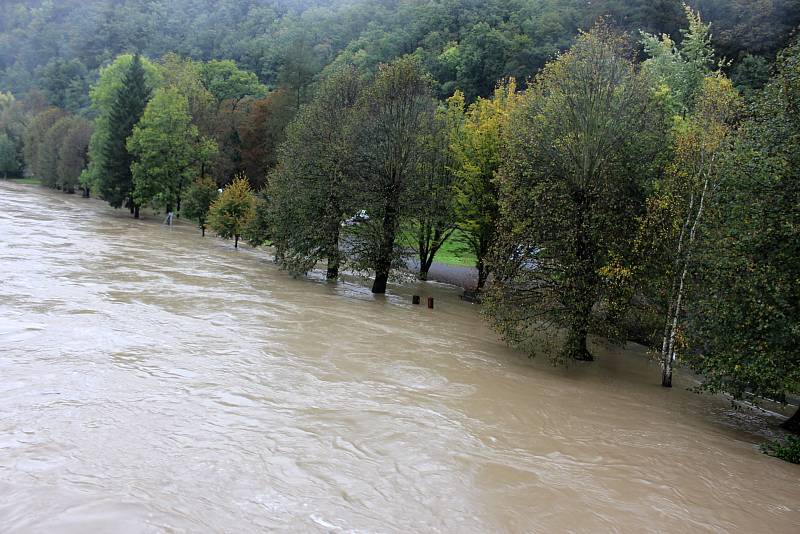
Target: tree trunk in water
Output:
[
  {"x": 333, "y": 253},
  {"x": 135, "y": 211},
  {"x": 203, "y": 230},
  {"x": 236, "y": 241},
  {"x": 793, "y": 423},
  {"x": 383, "y": 265},
  {"x": 576, "y": 342}
]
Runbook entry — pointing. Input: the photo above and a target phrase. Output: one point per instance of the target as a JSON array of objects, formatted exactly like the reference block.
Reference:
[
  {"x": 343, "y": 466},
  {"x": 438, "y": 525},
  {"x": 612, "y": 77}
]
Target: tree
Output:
[
  {"x": 743, "y": 326},
  {"x": 393, "y": 121},
  {"x": 34, "y": 140},
  {"x": 477, "y": 142},
  {"x": 9, "y": 159},
  {"x": 705, "y": 104},
  {"x": 231, "y": 212},
  {"x": 434, "y": 220},
  {"x": 48, "y": 154},
  {"x": 168, "y": 150},
  {"x": 314, "y": 183},
  {"x": 199, "y": 198},
  {"x": 570, "y": 187},
  {"x": 118, "y": 99},
  {"x": 73, "y": 154}
]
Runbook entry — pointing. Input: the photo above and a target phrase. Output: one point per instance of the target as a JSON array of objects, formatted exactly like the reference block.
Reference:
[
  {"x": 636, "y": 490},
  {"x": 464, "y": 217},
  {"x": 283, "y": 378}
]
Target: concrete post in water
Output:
[
  {"x": 415, "y": 299},
  {"x": 430, "y": 303}
]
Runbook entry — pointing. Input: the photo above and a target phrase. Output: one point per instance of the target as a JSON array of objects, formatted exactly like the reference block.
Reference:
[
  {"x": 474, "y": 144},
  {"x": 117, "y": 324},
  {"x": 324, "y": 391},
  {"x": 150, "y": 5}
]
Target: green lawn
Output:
[
  {"x": 455, "y": 251},
  {"x": 28, "y": 181}
]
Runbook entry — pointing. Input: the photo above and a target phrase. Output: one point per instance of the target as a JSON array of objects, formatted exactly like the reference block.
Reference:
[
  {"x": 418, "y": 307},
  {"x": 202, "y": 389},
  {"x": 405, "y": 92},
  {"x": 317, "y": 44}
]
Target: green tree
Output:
[
  {"x": 314, "y": 184},
  {"x": 477, "y": 141},
  {"x": 118, "y": 99},
  {"x": 579, "y": 148},
  {"x": 9, "y": 158},
  {"x": 168, "y": 150},
  {"x": 199, "y": 198},
  {"x": 393, "y": 121},
  {"x": 34, "y": 137},
  {"x": 48, "y": 155},
  {"x": 232, "y": 211},
  {"x": 73, "y": 154},
  {"x": 743, "y": 327}
]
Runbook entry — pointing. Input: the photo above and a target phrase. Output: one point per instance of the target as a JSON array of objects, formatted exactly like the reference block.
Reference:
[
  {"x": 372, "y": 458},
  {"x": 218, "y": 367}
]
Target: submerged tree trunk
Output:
[
  {"x": 333, "y": 254},
  {"x": 236, "y": 241},
  {"x": 203, "y": 230},
  {"x": 669, "y": 355},
  {"x": 383, "y": 264},
  {"x": 135, "y": 211},
  {"x": 581, "y": 293},
  {"x": 793, "y": 423}
]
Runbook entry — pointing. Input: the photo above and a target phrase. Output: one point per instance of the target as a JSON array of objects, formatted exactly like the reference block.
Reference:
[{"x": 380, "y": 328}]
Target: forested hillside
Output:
[{"x": 58, "y": 46}]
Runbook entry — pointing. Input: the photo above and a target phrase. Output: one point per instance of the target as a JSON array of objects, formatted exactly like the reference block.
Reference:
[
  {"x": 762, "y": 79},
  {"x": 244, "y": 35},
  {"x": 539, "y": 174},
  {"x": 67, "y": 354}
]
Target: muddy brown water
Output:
[{"x": 155, "y": 381}]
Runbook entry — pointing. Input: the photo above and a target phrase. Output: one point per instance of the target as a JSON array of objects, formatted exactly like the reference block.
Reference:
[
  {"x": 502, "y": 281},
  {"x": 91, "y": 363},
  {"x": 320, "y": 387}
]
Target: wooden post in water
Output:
[
  {"x": 430, "y": 303},
  {"x": 415, "y": 299}
]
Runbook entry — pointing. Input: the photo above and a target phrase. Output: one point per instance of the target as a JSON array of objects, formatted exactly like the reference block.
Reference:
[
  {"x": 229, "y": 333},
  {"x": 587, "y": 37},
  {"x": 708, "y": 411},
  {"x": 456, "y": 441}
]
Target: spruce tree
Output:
[{"x": 115, "y": 178}]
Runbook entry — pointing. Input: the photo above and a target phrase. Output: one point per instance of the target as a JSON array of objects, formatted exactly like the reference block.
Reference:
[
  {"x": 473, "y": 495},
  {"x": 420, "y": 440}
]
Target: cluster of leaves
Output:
[{"x": 787, "y": 449}]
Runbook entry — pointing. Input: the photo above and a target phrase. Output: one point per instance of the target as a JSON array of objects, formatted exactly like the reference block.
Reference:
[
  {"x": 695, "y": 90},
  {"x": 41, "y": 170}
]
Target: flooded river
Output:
[{"x": 155, "y": 381}]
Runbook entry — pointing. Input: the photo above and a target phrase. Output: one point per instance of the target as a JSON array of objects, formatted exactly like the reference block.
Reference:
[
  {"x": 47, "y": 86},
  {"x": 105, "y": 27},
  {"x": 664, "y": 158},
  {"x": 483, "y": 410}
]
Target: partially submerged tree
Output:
[
  {"x": 578, "y": 151},
  {"x": 744, "y": 323},
  {"x": 168, "y": 150},
  {"x": 231, "y": 212},
  {"x": 73, "y": 154},
  {"x": 313, "y": 187},
  {"x": 477, "y": 143},
  {"x": 119, "y": 99},
  {"x": 199, "y": 198},
  {"x": 394, "y": 117}
]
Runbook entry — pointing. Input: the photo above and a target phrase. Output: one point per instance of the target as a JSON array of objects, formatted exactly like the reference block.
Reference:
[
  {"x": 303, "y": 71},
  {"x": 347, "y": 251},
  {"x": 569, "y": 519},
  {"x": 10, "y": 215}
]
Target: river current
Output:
[{"x": 152, "y": 380}]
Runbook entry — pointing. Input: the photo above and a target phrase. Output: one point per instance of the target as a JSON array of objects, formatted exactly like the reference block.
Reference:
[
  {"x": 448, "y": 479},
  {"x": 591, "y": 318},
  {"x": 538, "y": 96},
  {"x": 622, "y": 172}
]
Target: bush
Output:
[{"x": 787, "y": 449}]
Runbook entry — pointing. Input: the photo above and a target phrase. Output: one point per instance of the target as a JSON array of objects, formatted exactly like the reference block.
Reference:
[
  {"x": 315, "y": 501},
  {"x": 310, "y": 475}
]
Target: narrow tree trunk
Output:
[
  {"x": 483, "y": 274},
  {"x": 583, "y": 284},
  {"x": 236, "y": 241},
  {"x": 333, "y": 254},
  {"x": 793, "y": 423},
  {"x": 383, "y": 265},
  {"x": 135, "y": 211},
  {"x": 203, "y": 230}
]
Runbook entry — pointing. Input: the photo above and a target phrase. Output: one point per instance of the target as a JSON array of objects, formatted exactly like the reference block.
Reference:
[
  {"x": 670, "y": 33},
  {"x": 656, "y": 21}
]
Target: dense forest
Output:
[{"x": 625, "y": 168}]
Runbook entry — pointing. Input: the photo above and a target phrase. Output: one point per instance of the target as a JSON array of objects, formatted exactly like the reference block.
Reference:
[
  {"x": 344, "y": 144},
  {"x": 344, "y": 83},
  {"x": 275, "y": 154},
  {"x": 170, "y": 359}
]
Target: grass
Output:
[
  {"x": 455, "y": 251},
  {"x": 27, "y": 181}
]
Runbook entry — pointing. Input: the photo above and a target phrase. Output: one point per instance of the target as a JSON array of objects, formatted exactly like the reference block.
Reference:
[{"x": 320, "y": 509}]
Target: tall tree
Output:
[
  {"x": 168, "y": 150},
  {"x": 34, "y": 137},
  {"x": 73, "y": 154},
  {"x": 744, "y": 321},
  {"x": 394, "y": 117},
  {"x": 477, "y": 141},
  {"x": 578, "y": 151},
  {"x": 9, "y": 158},
  {"x": 49, "y": 151},
  {"x": 314, "y": 183},
  {"x": 113, "y": 169}
]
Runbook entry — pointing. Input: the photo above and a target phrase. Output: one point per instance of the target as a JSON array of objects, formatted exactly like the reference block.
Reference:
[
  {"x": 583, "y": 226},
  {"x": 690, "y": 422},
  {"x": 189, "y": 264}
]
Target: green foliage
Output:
[
  {"x": 34, "y": 139},
  {"x": 570, "y": 187},
  {"x": 312, "y": 191},
  {"x": 199, "y": 198},
  {"x": 9, "y": 157},
  {"x": 48, "y": 154},
  {"x": 787, "y": 449},
  {"x": 168, "y": 150},
  {"x": 477, "y": 137},
  {"x": 744, "y": 325},
  {"x": 117, "y": 104},
  {"x": 226, "y": 81},
  {"x": 230, "y": 214},
  {"x": 73, "y": 156},
  {"x": 392, "y": 125}
]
